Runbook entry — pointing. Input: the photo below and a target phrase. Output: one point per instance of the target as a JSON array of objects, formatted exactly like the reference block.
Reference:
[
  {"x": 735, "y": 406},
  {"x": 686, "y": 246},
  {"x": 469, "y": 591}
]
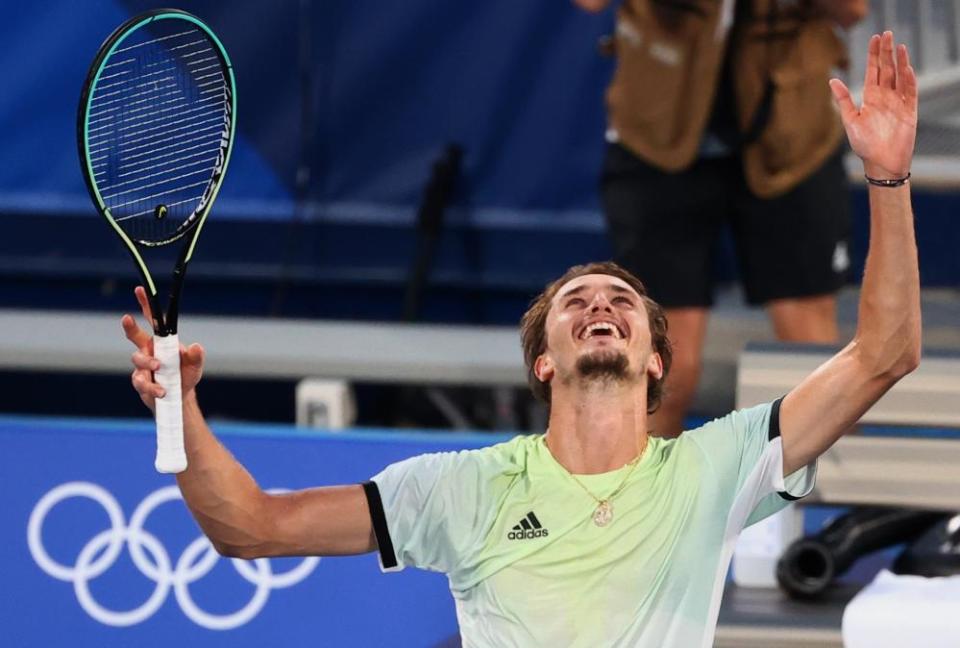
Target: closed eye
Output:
[
  {"x": 576, "y": 301},
  {"x": 623, "y": 300}
]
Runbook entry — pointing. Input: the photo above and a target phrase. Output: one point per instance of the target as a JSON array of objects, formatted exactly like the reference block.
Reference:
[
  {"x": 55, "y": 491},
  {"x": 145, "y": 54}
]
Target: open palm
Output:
[{"x": 884, "y": 129}]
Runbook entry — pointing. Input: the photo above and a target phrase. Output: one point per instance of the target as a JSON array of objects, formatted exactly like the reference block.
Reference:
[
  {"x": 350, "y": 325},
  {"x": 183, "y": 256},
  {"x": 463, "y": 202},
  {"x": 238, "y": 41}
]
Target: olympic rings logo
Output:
[{"x": 101, "y": 552}]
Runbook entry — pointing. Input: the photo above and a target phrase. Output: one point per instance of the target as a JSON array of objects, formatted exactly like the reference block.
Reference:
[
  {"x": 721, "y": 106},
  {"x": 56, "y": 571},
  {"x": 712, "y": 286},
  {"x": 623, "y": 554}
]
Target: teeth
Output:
[{"x": 606, "y": 326}]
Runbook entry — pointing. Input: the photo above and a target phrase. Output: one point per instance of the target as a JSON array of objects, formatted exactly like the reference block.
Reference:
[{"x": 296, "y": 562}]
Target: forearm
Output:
[
  {"x": 887, "y": 345},
  {"x": 237, "y": 516},
  {"x": 221, "y": 494},
  {"x": 242, "y": 520},
  {"x": 888, "y": 327}
]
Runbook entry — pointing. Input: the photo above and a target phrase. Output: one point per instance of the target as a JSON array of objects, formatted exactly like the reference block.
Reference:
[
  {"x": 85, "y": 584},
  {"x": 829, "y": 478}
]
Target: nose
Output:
[{"x": 600, "y": 303}]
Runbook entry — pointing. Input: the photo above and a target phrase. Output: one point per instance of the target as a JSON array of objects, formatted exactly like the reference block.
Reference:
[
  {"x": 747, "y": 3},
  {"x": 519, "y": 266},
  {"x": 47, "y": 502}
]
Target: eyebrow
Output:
[
  {"x": 613, "y": 286},
  {"x": 573, "y": 291}
]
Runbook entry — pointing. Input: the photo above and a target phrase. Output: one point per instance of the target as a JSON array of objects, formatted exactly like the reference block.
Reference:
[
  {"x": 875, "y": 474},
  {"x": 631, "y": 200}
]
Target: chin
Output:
[{"x": 605, "y": 364}]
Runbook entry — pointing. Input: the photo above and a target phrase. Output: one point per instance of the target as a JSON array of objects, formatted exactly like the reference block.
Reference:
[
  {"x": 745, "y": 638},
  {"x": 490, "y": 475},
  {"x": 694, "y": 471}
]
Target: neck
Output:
[{"x": 597, "y": 428}]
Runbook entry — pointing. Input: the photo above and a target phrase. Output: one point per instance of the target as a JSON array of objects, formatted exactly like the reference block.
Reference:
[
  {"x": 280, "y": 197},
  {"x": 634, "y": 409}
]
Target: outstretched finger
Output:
[
  {"x": 906, "y": 77},
  {"x": 872, "y": 76},
  {"x": 841, "y": 94},
  {"x": 140, "y": 338},
  {"x": 141, "y": 295},
  {"x": 888, "y": 66}
]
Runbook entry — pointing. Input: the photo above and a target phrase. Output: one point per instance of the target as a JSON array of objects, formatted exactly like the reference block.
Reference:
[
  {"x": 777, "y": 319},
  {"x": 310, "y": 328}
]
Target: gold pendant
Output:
[{"x": 603, "y": 515}]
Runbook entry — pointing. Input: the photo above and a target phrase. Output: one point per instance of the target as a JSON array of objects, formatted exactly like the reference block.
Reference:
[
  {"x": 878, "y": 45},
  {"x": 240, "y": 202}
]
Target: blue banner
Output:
[
  {"x": 342, "y": 106},
  {"x": 99, "y": 550}
]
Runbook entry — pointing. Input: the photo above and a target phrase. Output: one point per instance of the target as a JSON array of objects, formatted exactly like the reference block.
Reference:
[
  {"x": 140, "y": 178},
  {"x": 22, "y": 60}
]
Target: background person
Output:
[{"x": 719, "y": 112}]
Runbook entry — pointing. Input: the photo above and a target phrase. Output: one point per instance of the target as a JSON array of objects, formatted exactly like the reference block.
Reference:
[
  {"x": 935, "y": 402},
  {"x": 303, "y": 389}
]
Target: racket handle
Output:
[{"x": 171, "y": 457}]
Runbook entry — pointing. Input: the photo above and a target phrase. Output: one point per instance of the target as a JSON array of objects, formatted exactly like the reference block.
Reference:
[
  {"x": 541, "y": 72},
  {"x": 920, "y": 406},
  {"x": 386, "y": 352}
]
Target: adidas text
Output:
[{"x": 526, "y": 535}]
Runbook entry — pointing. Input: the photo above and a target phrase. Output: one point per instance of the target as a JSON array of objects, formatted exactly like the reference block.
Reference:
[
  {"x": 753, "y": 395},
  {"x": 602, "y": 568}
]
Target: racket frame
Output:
[{"x": 164, "y": 322}]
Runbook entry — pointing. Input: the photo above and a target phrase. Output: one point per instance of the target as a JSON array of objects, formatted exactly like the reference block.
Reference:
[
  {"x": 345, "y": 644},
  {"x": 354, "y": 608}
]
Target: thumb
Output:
[
  {"x": 841, "y": 94},
  {"x": 192, "y": 355}
]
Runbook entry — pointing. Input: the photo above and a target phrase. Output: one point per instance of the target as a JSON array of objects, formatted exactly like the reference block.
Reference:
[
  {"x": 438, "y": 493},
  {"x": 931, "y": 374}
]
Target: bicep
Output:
[
  {"x": 325, "y": 521},
  {"x": 826, "y": 404}
]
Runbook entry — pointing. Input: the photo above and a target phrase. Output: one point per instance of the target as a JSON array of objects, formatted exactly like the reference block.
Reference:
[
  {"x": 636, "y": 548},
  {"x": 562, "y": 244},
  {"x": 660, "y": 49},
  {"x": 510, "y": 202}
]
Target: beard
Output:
[{"x": 604, "y": 366}]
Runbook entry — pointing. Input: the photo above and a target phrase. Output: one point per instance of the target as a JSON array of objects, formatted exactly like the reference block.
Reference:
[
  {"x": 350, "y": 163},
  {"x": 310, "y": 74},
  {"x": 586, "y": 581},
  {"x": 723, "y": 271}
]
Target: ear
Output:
[
  {"x": 655, "y": 366},
  {"x": 543, "y": 368}
]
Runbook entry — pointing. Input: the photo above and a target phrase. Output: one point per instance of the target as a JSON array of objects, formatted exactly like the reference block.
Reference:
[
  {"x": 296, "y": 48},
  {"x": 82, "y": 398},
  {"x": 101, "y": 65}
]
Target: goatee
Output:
[{"x": 603, "y": 365}]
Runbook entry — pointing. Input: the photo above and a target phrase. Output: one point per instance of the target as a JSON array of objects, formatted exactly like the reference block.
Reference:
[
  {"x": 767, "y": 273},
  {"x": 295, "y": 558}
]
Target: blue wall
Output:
[{"x": 343, "y": 107}]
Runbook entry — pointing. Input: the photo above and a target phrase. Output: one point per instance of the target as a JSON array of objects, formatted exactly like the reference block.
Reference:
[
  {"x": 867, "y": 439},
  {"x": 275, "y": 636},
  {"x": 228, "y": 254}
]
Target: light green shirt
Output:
[{"x": 527, "y": 566}]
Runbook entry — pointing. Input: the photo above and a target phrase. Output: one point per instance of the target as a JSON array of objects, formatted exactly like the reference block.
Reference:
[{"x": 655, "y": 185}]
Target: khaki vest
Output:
[{"x": 668, "y": 66}]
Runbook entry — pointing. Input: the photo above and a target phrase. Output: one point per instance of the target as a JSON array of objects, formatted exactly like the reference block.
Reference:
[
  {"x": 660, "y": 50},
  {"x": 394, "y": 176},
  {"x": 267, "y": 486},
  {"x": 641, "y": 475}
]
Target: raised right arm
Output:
[{"x": 241, "y": 519}]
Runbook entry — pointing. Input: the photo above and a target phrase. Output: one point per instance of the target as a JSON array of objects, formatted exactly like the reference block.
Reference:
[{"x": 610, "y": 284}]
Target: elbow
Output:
[
  {"x": 898, "y": 368},
  {"x": 891, "y": 352},
  {"x": 243, "y": 552},
  {"x": 244, "y": 537},
  {"x": 225, "y": 549},
  {"x": 906, "y": 364},
  {"x": 909, "y": 359},
  {"x": 890, "y": 367}
]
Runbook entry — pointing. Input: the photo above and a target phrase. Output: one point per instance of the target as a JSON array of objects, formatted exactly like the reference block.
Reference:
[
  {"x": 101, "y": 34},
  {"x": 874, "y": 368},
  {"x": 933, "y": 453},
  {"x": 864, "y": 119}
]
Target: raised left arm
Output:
[{"x": 886, "y": 346}]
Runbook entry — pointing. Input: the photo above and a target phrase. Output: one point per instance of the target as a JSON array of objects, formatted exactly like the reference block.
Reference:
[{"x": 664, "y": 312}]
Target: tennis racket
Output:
[{"x": 154, "y": 130}]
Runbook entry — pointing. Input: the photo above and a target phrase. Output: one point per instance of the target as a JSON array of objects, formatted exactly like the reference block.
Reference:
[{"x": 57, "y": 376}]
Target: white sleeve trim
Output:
[
  {"x": 800, "y": 490},
  {"x": 766, "y": 478}
]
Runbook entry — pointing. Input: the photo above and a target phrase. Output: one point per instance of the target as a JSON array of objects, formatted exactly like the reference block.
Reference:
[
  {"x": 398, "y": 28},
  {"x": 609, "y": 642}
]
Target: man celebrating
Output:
[{"x": 596, "y": 534}]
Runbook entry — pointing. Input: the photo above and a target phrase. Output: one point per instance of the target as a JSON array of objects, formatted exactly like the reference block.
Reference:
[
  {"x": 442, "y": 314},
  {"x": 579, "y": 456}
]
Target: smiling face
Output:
[
  {"x": 597, "y": 328},
  {"x": 540, "y": 361}
]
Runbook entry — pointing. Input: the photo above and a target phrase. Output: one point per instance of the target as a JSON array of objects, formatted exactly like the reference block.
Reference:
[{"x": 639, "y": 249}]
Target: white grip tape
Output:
[{"x": 171, "y": 457}]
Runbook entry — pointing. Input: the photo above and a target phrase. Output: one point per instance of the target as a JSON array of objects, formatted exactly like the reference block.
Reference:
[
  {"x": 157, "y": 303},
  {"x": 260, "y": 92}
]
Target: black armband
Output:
[{"x": 893, "y": 182}]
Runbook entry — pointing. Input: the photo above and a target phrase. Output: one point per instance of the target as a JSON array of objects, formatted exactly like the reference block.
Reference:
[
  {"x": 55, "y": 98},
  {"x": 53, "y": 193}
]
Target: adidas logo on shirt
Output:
[{"x": 528, "y": 528}]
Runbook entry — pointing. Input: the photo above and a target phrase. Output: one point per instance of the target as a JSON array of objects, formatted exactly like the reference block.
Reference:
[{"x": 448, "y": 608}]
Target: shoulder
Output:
[
  {"x": 506, "y": 459},
  {"x": 756, "y": 418},
  {"x": 502, "y": 459},
  {"x": 734, "y": 442},
  {"x": 730, "y": 435}
]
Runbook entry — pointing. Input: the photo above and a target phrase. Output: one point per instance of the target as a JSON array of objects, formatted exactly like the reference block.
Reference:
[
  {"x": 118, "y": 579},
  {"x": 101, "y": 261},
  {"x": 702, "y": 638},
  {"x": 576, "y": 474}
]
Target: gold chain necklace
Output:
[{"x": 603, "y": 514}]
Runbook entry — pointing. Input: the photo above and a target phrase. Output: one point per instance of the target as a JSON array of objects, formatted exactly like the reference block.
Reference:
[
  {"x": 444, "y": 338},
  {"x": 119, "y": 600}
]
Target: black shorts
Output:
[{"x": 665, "y": 228}]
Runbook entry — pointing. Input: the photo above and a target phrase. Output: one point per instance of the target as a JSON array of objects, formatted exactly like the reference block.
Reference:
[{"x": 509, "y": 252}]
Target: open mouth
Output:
[{"x": 601, "y": 329}]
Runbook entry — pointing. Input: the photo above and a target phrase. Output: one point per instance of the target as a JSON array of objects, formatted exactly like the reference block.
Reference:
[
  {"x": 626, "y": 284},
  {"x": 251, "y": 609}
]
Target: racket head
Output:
[{"x": 155, "y": 128}]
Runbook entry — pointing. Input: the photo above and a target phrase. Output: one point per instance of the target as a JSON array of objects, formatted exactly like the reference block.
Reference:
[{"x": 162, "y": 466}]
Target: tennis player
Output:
[{"x": 596, "y": 534}]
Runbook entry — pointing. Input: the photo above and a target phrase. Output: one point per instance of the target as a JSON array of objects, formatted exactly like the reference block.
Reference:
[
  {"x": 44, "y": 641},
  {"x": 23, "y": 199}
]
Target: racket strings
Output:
[
  {"x": 158, "y": 124},
  {"x": 152, "y": 145}
]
